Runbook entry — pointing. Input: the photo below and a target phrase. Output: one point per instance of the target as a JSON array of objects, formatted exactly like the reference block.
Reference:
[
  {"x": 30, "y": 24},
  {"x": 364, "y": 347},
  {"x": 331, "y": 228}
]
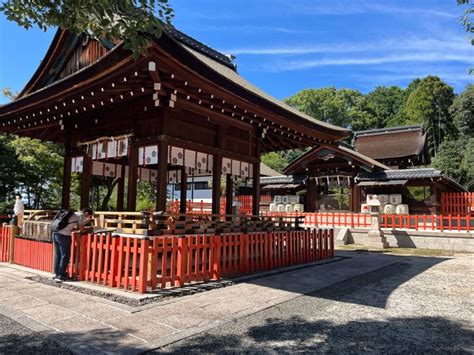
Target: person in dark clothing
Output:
[{"x": 62, "y": 241}]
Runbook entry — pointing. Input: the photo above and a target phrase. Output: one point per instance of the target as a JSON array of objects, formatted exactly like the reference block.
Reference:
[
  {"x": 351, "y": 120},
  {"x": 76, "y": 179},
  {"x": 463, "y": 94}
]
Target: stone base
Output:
[{"x": 376, "y": 239}]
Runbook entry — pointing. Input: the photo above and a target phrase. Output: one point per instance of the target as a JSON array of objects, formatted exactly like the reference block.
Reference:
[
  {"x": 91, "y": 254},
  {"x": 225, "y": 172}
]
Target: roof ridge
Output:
[
  {"x": 200, "y": 47},
  {"x": 388, "y": 130}
]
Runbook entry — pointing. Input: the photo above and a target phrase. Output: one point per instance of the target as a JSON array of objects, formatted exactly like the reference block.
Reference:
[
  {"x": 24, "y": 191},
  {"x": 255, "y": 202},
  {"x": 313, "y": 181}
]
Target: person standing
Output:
[{"x": 62, "y": 241}]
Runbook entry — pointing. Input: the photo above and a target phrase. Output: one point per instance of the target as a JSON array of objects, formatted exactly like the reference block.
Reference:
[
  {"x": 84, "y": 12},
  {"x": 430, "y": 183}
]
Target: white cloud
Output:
[
  {"x": 374, "y": 60},
  {"x": 411, "y": 43},
  {"x": 351, "y": 7}
]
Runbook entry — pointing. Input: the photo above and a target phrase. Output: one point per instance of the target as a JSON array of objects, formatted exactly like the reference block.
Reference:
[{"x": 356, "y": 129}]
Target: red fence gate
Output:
[{"x": 457, "y": 203}]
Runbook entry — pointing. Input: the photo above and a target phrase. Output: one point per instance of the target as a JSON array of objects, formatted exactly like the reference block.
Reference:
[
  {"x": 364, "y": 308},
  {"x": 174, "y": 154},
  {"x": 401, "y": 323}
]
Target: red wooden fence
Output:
[
  {"x": 206, "y": 207},
  {"x": 362, "y": 220},
  {"x": 455, "y": 203},
  {"x": 4, "y": 243},
  {"x": 35, "y": 254},
  {"x": 141, "y": 264}
]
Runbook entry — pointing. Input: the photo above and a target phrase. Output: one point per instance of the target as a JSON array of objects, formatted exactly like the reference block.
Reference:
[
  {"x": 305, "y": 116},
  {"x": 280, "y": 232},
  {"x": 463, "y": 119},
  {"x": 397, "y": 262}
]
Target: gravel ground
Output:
[
  {"x": 422, "y": 305},
  {"x": 17, "y": 339}
]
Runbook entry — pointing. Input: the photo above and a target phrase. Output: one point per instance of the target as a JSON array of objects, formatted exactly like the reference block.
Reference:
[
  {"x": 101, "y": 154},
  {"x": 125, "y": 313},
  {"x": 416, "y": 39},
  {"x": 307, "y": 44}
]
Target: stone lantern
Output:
[{"x": 375, "y": 237}]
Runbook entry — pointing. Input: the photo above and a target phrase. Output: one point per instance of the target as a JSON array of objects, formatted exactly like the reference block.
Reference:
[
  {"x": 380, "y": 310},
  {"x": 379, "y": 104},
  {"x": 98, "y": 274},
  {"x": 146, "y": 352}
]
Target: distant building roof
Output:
[
  {"x": 407, "y": 174},
  {"x": 265, "y": 170},
  {"x": 391, "y": 143}
]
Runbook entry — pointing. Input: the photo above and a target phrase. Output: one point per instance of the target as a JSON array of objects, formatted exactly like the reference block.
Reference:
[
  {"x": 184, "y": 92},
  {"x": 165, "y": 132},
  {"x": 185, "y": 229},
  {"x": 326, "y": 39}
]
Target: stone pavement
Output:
[{"x": 87, "y": 323}]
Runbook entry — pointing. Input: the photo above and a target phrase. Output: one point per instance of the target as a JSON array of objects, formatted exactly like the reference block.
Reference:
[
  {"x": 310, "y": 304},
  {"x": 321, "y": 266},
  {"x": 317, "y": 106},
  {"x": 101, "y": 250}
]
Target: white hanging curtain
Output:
[
  {"x": 77, "y": 164},
  {"x": 193, "y": 160},
  {"x": 106, "y": 169}
]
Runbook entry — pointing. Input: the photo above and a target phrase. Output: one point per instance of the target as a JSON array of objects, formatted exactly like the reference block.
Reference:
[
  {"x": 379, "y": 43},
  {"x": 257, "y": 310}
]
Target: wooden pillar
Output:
[
  {"x": 256, "y": 178},
  {"x": 121, "y": 189},
  {"x": 132, "y": 177},
  {"x": 352, "y": 206},
  {"x": 356, "y": 197},
  {"x": 229, "y": 183},
  {"x": 216, "y": 184},
  {"x": 184, "y": 190},
  {"x": 86, "y": 179},
  {"x": 66, "y": 192},
  {"x": 256, "y": 188},
  {"x": 162, "y": 175},
  {"x": 311, "y": 195}
]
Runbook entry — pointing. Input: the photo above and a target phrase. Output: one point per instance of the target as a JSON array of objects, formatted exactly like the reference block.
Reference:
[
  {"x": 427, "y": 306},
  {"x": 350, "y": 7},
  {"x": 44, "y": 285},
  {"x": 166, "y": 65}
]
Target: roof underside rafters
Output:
[{"x": 178, "y": 80}]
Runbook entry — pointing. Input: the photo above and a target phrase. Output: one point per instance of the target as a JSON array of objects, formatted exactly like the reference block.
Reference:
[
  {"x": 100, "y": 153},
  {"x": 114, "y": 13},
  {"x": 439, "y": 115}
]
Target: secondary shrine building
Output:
[{"x": 180, "y": 109}]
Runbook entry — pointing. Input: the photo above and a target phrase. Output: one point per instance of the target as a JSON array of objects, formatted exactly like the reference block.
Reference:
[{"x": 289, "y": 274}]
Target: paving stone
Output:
[
  {"x": 22, "y": 302},
  {"x": 49, "y": 313},
  {"x": 79, "y": 325},
  {"x": 183, "y": 321},
  {"x": 141, "y": 326}
]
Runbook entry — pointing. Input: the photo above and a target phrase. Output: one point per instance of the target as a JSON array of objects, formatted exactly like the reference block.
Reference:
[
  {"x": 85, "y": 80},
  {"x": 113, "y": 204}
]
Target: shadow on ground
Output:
[
  {"x": 383, "y": 281},
  {"x": 396, "y": 335}
]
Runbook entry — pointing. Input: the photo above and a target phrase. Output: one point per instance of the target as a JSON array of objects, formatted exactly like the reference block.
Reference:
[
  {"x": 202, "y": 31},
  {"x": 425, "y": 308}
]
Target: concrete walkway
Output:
[{"x": 91, "y": 324}]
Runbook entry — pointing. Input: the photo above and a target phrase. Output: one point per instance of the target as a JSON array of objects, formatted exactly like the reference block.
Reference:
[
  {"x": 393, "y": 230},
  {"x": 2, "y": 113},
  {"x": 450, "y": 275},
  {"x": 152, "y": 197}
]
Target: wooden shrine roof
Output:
[
  {"x": 337, "y": 157},
  {"x": 389, "y": 143},
  {"x": 177, "y": 72},
  {"x": 419, "y": 174}
]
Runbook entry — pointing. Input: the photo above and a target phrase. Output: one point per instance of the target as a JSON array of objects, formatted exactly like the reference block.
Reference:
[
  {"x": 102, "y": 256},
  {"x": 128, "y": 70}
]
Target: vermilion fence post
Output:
[
  {"x": 143, "y": 268},
  {"x": 217, "y": 257}
]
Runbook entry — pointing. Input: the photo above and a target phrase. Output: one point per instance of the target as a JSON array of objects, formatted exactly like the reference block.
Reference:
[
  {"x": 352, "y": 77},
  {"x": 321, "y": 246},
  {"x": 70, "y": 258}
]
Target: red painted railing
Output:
[
  {"x": 142, "y": 264},
  {"x": 362, "y": 220},
  {"x": 202, "y": 207},
  {"x": 34, "y": 254},
  {"x": 4, "y": 243},
  {"x": 455, "y": 203}
]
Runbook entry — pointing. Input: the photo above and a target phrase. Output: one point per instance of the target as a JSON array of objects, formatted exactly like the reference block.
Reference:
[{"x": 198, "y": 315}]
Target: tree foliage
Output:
[
  {"x": 133, "y": 21},
  {"x": 429, "y": 105},
  {"x": 462, "y": 111}
]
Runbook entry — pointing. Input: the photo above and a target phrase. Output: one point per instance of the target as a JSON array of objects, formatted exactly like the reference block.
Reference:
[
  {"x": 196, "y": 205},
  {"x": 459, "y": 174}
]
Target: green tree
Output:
[
  {"x": 11, "y": 170},
  {"x": 462, "y": 111},
  {"x": 386, "y": 105},
  {"x": 429, "y": 105},
  {"x": 456, "y": 159},
  {"x": 135, "y": 22},
  {"x": 41, "y": 175},
  {"x": 275, "y": 160},
  {"x": 338, "y": 107}
]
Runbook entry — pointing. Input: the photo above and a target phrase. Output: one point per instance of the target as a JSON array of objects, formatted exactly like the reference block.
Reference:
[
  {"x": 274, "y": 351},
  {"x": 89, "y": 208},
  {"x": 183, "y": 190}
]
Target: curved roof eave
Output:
[{"x": 342, "y": 149}]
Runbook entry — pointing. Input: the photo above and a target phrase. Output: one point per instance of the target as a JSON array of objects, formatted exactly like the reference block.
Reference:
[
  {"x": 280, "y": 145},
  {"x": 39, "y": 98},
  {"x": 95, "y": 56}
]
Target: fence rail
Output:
[
  {"x": 362, "y": 220},
  {"x": 4, "y": 243},
  {"x": 457, "y": 203},
  {"x": 159, "y": 262},
  {"x": 206, "y": 207}
]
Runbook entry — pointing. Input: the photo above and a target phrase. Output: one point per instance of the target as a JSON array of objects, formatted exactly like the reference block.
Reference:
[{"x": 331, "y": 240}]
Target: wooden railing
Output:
[
  {"x": 457, "y": 203},
  {"x": 362, "y": 220},
  {"x": 5, "y": 241},
  {"x": 206, "y": 207},
  {"x": 141, "y": 264}
]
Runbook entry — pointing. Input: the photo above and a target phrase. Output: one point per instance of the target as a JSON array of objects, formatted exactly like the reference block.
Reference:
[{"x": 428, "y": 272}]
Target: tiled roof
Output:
[
  {"x": 402, "y": 174},
  {"x": 297, "y": 179},
  {"x": 408, "y": 174},
  {"x": 200, "y": 47}
]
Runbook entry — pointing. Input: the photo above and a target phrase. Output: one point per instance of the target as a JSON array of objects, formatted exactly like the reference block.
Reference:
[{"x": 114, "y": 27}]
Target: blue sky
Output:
[{"x": 284, "y": 46}]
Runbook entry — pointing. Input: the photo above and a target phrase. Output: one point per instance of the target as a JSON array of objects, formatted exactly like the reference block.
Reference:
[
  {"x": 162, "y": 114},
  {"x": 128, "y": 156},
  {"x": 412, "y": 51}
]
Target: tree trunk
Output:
[{"x": 110, "y": 189}]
